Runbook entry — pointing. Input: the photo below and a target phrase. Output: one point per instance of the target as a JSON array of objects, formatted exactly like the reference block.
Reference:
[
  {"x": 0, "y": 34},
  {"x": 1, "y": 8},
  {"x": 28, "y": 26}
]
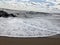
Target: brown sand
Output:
[{"x": 29, "y": 41}]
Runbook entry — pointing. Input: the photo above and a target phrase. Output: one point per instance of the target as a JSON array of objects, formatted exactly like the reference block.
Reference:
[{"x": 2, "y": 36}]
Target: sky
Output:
[
  {"x": 38, "y": 0},
  {"x": 25, "y": 0},
  {"x": 41, "y": 0},
  {"x": 34, "y": 0},
  {"x": 45, "y": 3}
]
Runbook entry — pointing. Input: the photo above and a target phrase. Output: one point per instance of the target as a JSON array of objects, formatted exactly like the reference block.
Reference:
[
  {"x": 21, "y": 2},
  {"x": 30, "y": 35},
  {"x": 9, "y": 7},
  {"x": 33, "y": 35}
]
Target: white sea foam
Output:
[{"x": 34, "y": 27}]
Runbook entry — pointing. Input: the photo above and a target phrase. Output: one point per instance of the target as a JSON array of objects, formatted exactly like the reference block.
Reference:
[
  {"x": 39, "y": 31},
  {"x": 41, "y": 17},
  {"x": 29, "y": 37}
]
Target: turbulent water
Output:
[{"x": 27, "y": 27}]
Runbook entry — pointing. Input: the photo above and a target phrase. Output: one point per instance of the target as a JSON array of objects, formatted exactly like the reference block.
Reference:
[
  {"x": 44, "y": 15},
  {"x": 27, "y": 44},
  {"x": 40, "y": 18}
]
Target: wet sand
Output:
[{"x": 29, "y": 41}]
